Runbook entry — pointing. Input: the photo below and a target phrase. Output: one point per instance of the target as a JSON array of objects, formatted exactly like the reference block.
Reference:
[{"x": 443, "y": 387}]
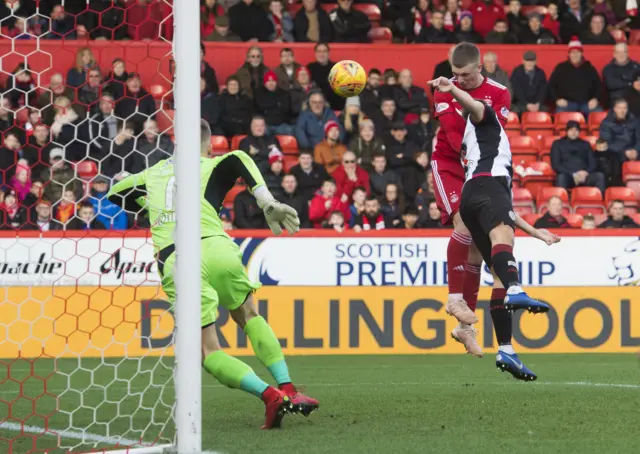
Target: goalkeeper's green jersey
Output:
[{"x": 153, "y": 190}]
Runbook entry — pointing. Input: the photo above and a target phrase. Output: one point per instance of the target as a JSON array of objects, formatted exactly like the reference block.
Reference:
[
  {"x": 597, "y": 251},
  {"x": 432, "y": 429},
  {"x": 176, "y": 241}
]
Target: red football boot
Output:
[
  {"x": 300, "y": 403},
  {"x": 276, "y": 404}
]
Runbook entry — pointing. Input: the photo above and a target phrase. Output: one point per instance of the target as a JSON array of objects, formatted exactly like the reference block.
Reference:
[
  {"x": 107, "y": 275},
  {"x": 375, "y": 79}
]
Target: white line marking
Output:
[{"x": 71, "y": 434}]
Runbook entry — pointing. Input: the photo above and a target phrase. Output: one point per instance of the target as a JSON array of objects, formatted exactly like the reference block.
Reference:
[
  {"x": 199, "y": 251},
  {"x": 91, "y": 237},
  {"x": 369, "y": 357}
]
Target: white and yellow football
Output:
[{"x": 347, "y": 78}]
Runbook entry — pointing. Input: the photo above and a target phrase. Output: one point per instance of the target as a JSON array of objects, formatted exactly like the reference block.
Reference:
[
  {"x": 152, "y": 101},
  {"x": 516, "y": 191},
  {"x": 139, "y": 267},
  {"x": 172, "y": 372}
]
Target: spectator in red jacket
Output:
[
  {"x": 551, "y": 21},
  {"x": 208, "y": 13},
  {"x": 143, "y": 19},
  {"x": 325, "y": 202},
  {"x": 349, "y": 176},
  {"x": 485, "y": 14}
]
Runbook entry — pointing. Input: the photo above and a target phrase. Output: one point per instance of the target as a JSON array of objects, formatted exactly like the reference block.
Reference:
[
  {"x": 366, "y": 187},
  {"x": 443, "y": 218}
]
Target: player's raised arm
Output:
[
  {"x": 475, "y": 108},
  {"x": 130, "y": 192},
  {"x": 540, "y": 234}
]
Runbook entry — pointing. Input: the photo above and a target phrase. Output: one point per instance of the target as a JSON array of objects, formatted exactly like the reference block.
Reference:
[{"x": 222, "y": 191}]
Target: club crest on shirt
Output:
[
  {"x": 441, "y": 107},
  {"x": 454, "y": 197}
]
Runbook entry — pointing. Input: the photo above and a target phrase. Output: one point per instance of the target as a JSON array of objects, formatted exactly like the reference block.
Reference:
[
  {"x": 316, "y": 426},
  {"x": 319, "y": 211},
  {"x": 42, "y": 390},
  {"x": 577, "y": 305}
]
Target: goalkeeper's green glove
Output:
[{"x": 277, "y": 213}]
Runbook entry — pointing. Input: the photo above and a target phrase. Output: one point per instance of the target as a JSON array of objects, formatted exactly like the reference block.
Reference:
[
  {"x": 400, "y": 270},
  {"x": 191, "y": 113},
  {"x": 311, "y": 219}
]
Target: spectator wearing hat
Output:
[
  {"x": 551, "y": 21},
  {"x": 312, "y": 24},
  {"x": 535, "y": 33},
  {"x": 325, "y": 202},
  {"x": 597, "y": 34},
  {"x": 617, "y": 219},
  {"x": 492, "y": 70},
  {"x": 12, "y": 214},
  {"x": 409, "y": 98},
  {"x": 259, "y": 143},
  {"x": 517, "y": 20},
  {"x": 137, "y": 105},
  {"x": 435, "y": 33},
  {"x": 553, "y": 218},
  {"x": 464, "y": 30},
  {"x": 499, "y": 35},
  {"x": 221, "y": 32},
  {"x": 349, "y": 175},
  {"x": 320, "y": 69},
  {"x": 329, "y": 152},
  {"x": 349, "y": 25},
  {"x": 247, "y": 213},
  {"x": 372, "y": 217},
  {"x": 286, "y": 70},
  {"x": 107, "y": 213},
  {"x": 529, "y": 84},
  {"x": 274, "y": 104},
  {"x": 621, "y": 130},
  {"x": 274, "y": 174},
  {"x": 310, "y": 126},
  {"x": 574, "y": 162},
  {"x": 574, "y": 84},
  {"x": 399, "y": 150},
  {"x": 380, "y": 176},
  {"x": 281, "y": 23},
  {"x": 236, "y": 108},
  {"x": 485, "y": 14},
  {"x": 302, "y": 87},
  {"x": 632, "y": 95},
  {"x": 289, "y": 195},
  {"x": 309, "y": 174},
  {"x": 366, "y": 145},
  {"x": 574, "y": 20},
  {"x": 249, "y": 21},
  {"x": 251, "y": 73},
  {"x": 351, "y": 117},
  {"x": 619, "y": 74}
]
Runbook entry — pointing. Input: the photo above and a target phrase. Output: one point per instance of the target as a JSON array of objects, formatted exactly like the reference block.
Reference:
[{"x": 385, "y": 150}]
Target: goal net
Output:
[{"x": 86, "y": 335}]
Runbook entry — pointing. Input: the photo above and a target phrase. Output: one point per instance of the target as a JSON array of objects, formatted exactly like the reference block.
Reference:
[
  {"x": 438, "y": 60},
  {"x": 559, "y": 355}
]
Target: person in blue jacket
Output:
[
  {"x": 110, "y": 214},
  {"x": 621, "y": 130},
  {"x": 310, "y": 125}
]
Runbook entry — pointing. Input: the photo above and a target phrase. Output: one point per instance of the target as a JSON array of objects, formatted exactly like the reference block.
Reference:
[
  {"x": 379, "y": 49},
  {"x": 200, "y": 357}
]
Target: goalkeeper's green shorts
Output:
[{"x": 224, "y": 278}]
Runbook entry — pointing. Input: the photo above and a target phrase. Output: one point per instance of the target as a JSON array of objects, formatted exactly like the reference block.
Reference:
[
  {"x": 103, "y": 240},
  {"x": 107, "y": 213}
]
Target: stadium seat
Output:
[
  {"x": 545, "y": 194},
  {"x": 524, "y": 148},
  {"x": 231, "y": 195},
  {"x": 289, "y": 144},
  {"x": 86, "y": 170},
  {"x": 619, "y": 35},
  {"x": 523, "y": 142},
  {"x": 513, "y": 133},
  {"x": 545, "y": 147},
  {"x": 562, "y": 118},
  {"x": 513, "y": 122},
  {"x": 574, "y": 220},
  {"x": 235, "y": 141},
  {"x": 627, "y": 195},
  {"x": 587, "y": 200},
  {"x": 599, "y": 218},
  {"x": 164, "y": 118},
  {"x": 634, "y": 37},
  {"x": 592, "y": 140},
  {"x": 536, "y": 121},
  {"x": 630, "y": 171},
  {"x": 534, "y": 182},
  {"x": 523, "y": 201},
  {"x": 380, "y": 35},
  {"x": 595, "y": 118},
  {"x": 531, "y": 218},
  {"x": 636, "y": 218},
  {"x": 219, "y": 145},
  {"x": 289, "y": 161},
  {"x": 371, "y": 10}
]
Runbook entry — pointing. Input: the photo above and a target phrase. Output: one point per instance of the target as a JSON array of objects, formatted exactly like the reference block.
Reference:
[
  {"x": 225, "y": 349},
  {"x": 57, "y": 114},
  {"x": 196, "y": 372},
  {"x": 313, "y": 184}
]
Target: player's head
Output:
[
  {"x": 465, "y": 65},
  {"x": 205, "y": 138}
]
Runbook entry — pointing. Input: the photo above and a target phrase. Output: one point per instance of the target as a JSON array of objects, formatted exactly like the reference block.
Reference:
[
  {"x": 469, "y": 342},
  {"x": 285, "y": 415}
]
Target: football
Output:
[{"x": 347, "y": 78}]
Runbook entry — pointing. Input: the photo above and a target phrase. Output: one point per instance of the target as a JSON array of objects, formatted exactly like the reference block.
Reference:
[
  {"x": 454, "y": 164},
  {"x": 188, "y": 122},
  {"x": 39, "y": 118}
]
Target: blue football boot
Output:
[
  {"x": 520, "y": 300},
  {"x": 512, "y": 364}
]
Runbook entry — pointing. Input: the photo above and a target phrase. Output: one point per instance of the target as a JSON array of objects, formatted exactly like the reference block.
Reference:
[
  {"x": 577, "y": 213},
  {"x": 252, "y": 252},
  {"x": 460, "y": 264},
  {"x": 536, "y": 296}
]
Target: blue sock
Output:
[
  {"x": 280, "y": 372},
  {"x": 253, "y": 384}
]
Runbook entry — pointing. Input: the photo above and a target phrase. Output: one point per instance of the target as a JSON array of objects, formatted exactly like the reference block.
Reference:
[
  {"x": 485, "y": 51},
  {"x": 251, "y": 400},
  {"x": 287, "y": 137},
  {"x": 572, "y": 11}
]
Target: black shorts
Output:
[{"x": 486, "y": 203}]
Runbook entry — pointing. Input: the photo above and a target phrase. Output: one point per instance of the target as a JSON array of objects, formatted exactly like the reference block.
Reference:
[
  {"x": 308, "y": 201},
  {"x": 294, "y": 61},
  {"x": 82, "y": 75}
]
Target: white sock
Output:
[
  {"x": 507, "y": 348},
  {"x": 514, "y": 289}
]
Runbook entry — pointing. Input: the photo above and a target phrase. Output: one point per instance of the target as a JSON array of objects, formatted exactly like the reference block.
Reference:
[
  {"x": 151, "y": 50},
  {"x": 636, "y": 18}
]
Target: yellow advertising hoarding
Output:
[{"x": 90, "y": 321}]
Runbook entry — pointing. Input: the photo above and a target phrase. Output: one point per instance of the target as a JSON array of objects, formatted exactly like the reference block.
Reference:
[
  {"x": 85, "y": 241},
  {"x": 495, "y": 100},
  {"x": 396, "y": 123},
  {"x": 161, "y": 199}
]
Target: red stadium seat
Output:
[
  {"x": 619, "y": 35},
  {"x": 158, "y": 91},
  {"x": 562, "y": 118},
  {"x": 235, "y": 141},
  {"x": 380, "y": 35},
  {"x": 371, "y": 10},
  {"x": 546, "y": 193},
  {"x": 545, "y": 147},
  {"x": 623, "y": 193},
  {"x": 219, "y": 145},
  {"x": 631, "y": 171},
  {"x": 513, "y": 133},
  {"x": 165, "y": 118},
  {"x": 513, "y": 122},
  {"x": 289, "y": 144},
  {"x": 536, "y": 121},
  {"x": 636, "y": 218},
  {"x": 289, "y": 161},
  {"x": 595, "y": 118},
  {"x": 523, "y": 142},
  {"x": 535, "y": 182},
  {"x": 575, "y": 221},
  {"x": 531, "y": 218},
  {"x": 86, "y": 170},
  {"x": 634, "y": 37},
  {"x": 523, "y": 201},
  {"x": 231, "y": 195},
  {"x": 22, "y": 116},
  {"x": 592, "y": 141},
  {"x": 587, "y": 200}
]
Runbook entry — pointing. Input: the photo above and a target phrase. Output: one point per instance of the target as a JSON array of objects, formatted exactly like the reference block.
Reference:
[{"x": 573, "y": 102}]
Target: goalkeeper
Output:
[{"x": 224, "y": 279}]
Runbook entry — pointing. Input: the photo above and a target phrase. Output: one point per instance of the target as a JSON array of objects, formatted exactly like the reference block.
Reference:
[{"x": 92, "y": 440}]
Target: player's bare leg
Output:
[
  {"x": 267, "y": 348},
  {"x": 235, "y": 374},
  {"x": 457, "y": 255}
]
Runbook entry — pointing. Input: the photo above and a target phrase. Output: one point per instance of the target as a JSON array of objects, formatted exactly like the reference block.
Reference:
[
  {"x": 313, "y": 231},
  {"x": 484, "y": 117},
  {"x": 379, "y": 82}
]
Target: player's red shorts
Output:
[{"x": 448, "y": 179}]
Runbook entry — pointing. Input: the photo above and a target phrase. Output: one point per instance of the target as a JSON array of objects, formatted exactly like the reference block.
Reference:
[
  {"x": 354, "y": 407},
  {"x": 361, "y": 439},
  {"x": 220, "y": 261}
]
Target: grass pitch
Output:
[{"x": 584, "y": 403}]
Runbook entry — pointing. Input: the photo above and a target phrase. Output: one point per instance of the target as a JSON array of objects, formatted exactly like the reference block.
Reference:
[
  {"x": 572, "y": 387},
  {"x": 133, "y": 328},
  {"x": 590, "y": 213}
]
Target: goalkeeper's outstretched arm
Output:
[{"x": 130, "y": 192}]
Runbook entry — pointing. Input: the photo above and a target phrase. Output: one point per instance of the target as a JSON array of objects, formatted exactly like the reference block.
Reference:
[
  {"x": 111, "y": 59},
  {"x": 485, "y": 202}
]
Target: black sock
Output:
[
  {"x": 504, "y": 264},
  {"x": 501, "y": 317}
]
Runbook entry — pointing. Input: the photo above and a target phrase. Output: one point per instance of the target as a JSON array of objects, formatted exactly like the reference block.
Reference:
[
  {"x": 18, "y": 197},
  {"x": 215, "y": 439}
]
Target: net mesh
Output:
[{"x": 86, "y": 358}]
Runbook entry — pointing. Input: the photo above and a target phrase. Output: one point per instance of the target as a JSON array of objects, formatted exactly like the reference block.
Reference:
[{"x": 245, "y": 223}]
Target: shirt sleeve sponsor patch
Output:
[
  {"x": 441, "y": 107},
  {"x": 504, "y": 112}
]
